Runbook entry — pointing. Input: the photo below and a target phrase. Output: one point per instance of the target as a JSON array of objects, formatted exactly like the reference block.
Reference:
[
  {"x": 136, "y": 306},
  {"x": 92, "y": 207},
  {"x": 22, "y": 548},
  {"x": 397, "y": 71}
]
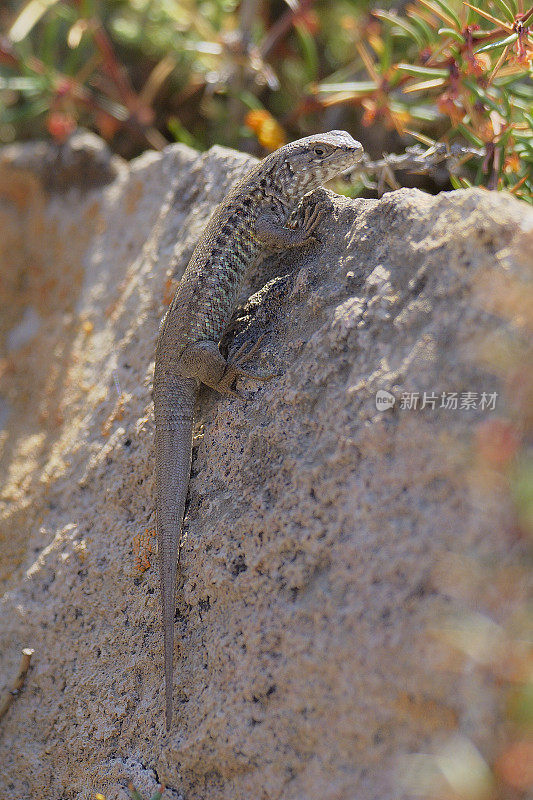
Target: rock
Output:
[
  {"x": 83, "y": 161},
  {"x": 26, "y": 330},
  {"x": 327, "y": 544}
]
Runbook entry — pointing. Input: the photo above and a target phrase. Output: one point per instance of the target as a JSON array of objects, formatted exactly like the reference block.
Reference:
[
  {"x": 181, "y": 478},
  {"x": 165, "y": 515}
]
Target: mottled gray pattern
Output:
[{"x": 251, "y": 220}]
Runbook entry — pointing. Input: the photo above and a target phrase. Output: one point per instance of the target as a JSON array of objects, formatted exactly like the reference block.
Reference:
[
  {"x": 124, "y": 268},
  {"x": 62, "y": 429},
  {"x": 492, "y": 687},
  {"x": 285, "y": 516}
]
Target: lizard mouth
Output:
[
  {"x": 351, "y": 157},
  {"x": 354, "y": 153}
]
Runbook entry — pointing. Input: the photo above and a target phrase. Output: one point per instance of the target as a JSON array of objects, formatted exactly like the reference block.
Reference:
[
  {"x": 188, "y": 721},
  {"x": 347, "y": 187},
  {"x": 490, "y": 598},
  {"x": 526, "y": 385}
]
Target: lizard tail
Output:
[{"x": 173, "y": 407}]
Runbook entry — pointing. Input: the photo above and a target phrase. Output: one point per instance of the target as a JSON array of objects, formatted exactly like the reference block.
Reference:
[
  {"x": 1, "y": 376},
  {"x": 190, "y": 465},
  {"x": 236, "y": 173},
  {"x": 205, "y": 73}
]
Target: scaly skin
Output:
[{"x": 251, "y": 221}]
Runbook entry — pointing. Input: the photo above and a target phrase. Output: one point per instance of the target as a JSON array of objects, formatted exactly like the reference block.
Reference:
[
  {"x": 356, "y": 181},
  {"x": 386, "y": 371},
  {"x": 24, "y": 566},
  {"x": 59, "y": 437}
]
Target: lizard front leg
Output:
[
  {"x": 278, "y": 232},
  {"x": 204, "y": 361}
]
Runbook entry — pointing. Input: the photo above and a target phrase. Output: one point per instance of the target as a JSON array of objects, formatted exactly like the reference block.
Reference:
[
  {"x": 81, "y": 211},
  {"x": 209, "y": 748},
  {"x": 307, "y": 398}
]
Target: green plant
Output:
[
  {"x": 437, "y": 68},
  {"x": 143, "y": 72}
]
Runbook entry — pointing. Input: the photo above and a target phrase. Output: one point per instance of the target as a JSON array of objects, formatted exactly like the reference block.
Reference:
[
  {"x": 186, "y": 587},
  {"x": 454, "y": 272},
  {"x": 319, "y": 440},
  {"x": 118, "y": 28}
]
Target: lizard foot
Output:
[
  {"x": 310, "y": 212},
  {"x": 278, "y": 234},
  {"x": 234, "y": 369}
]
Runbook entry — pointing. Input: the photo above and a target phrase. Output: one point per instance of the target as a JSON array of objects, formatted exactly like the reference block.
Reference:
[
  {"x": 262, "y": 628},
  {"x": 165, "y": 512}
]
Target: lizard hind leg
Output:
[
  {"x": 204, "y": 361},
  {"x": 234, "y": 368}
]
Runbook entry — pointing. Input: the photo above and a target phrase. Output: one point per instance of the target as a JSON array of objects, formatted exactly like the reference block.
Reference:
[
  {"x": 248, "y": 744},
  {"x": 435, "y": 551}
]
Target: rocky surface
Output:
[{"x": 326, "y": 544}]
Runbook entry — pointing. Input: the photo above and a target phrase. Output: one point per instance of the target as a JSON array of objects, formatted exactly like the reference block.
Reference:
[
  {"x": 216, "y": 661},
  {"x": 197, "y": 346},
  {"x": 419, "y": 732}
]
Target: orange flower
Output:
[
  {"x": 348, "y": 23},
  {"x": 311, "y": 21},
  {"x": 269, "y": 132},
  {"x": 512, "y": 163},
  {"x": 370, "y": 112},
  {"x": 60, "y": 125},
  {"x": 106, "y": 124},
  {"x": 475, "y": 66}
]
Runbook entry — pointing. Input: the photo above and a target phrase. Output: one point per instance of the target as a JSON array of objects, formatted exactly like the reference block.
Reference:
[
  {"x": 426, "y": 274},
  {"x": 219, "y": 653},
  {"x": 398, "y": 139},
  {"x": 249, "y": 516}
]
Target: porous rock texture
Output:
[{"x": 326, "y": 542}]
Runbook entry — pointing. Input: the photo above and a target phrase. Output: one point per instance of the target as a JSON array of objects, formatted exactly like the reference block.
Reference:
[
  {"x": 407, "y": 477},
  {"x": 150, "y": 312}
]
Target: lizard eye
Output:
[{"x": 319, "y": 151}]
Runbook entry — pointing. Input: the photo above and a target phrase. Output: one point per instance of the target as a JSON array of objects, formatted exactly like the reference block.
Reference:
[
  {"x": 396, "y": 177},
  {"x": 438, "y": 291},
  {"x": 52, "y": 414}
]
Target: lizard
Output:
[{"x": 271, "y": 208}]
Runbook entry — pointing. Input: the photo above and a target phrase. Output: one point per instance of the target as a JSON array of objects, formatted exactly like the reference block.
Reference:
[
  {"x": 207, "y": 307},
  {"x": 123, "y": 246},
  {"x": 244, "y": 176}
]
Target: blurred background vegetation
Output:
[{"x": 444, "y": 86}]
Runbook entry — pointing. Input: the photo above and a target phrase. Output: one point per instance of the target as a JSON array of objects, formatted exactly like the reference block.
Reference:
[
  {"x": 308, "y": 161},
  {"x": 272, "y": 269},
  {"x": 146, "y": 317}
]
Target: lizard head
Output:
[{"x": 306, "y": 164}]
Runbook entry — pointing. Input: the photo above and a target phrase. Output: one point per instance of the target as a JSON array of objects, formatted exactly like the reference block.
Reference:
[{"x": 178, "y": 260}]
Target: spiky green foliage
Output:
[{"x": 142, "y": 72}]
